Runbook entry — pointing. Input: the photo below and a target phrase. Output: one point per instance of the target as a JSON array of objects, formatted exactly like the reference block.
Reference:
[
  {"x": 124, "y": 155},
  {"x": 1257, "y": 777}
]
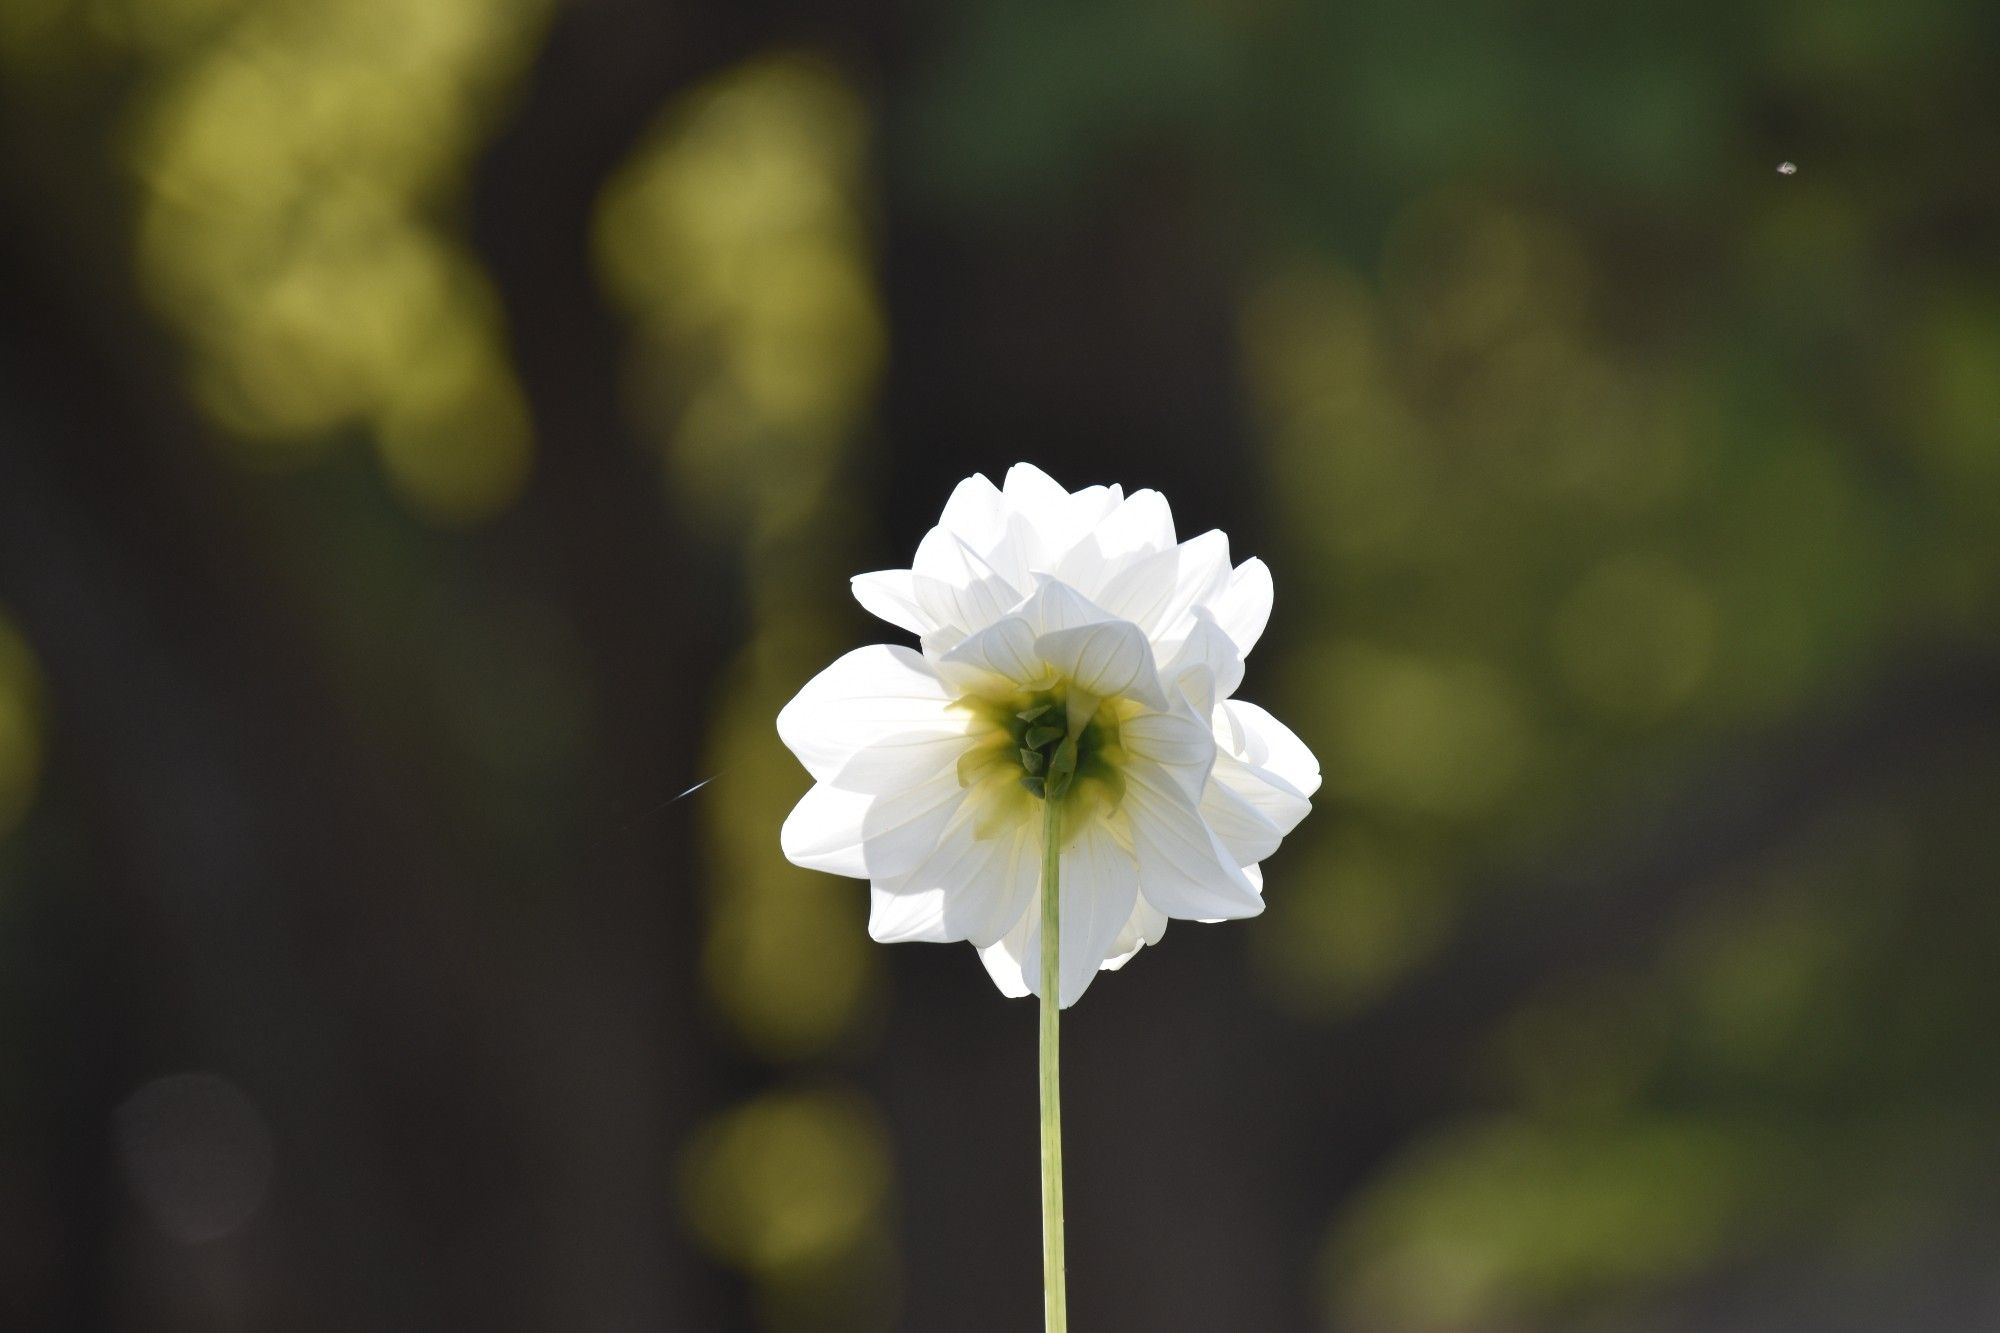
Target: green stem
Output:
[{"x": 1055, "y": 1287}]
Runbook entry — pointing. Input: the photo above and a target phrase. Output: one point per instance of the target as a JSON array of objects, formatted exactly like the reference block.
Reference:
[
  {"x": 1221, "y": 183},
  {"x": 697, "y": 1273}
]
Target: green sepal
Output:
[
  {"x": 1032, "y": 760},
  {"x": 1037, "y": 737},
  {"x": 1062, "y": 768}
]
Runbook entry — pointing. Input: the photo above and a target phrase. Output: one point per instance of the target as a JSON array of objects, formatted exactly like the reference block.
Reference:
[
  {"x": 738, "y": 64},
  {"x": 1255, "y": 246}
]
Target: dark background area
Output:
[{"x": 435, "y": 435}]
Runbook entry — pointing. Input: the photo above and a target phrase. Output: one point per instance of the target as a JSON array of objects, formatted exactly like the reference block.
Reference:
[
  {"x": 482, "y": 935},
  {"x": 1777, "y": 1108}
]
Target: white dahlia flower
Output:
[{"x": 1072, "y": 652}]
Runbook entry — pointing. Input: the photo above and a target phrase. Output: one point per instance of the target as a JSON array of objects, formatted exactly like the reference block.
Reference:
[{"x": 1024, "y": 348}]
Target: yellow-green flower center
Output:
[{"x": 1057, "y": 743}]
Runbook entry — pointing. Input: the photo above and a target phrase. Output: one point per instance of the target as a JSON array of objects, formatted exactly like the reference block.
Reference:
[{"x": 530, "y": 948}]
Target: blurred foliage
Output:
[
  {"x": 1776, "y": 1084},
  {"x": 298, "y": 169},
  {"x": 1578, "y": 520},
  {"x": 1598, "y": 446},
  {"x": 295, "y": 175},
  {"x": 736, "y": 239}
]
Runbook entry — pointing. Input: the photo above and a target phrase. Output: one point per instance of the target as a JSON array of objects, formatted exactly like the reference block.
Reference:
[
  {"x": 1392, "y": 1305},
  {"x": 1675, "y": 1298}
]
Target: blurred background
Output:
[{"x": 435, "y": 435}]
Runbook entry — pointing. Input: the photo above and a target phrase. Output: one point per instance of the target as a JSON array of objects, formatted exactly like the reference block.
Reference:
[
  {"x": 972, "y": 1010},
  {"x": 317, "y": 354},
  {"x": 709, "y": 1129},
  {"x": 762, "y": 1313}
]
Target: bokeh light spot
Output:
[
  {"x": 1505, "y": 1224},
  {"x": 786, "y": 955},
  {"x": 1636, "y": 637},
  {"x": 1416, "y": 733},
  {"x": 1463, "y": 273},
  {"x": 198, "y": 1154},
  {"x": 735, "y": 241},
  {"x": 788, "y": 1181},
  {"x": 1358, "y": 913},
  {"x": 1956, "y": 387}
]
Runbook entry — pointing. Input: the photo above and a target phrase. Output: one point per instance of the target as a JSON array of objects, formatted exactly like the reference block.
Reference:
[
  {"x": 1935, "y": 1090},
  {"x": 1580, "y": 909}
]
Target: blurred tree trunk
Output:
[
  {"x": 283, "y": 889},
  {"x": 475, "y": 1113}
]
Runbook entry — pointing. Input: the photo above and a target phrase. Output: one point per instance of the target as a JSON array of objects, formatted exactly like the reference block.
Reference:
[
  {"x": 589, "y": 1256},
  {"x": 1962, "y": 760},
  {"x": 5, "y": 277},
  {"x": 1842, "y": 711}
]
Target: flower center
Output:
[
  {"x": 1053, "y": 738},
  {"x": 1049, "y": 755}
]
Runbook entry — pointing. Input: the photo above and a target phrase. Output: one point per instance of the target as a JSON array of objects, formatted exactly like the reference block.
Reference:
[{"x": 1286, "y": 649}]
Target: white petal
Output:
[
  {"x": 892, "y": 595},
  {"x": 975, "y": 512},
  {"x": 1100, "y": 885},
  {"x": 1243, "y": 607},
  {"x": 985, "y": 521},
  {"x": 1087, "y": 508},
  {"x": 1158, "y": 593},
  {"x": 1054, "y": 605},
  {"x": 1207, "y": 667},
  {"x": 936, "y": 643},
  {"x": 1099, "y": 882},
  {"x": 983, "y": 883},
  {"x": 1245, "y": 831},
  {"x": 900, "y": 918},
  {"x": 878, "y": 719},
  {"x": 962, "y": 608},
  {"x": 1142, "y": 585},
  {"x": 1138, "y": 526},
  {"x": 975, "y": 520},
  {"x": 1004, "y": 960},
  {"x": 955, "y": 587},
  {"x": 868, "y": 837},
  {"x": 1281, "y": 804},
  {"x": 1051, "y": 521},
  {"x": 1147, "y": 926},
  {"x": 1020, "y": 551},
  {"x": 1178, "y": 744},
  {"x": 1003, "y": 652},
  {"x": 1035, "y": 495},
  {"x": 1040, "y": 524},
  {"x": 1109, "y": 658},
  {"x": 1183, "y": 870},
  {"x": 1269, "y": 743}
]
